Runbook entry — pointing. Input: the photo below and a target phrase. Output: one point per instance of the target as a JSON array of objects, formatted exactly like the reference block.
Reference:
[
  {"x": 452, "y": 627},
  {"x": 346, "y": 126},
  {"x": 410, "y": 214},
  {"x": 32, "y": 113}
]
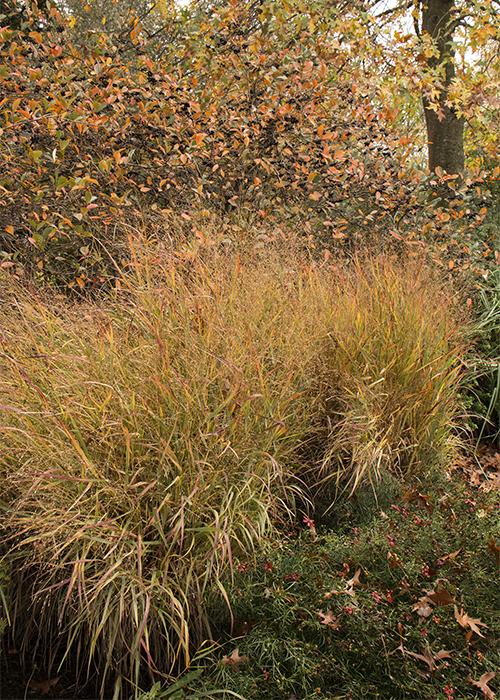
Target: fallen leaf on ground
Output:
[
  {"x": 494, "y": 550},
  {"x": 449, "y": 557},
  {"x": 463, "y": 619},
  {"x": 422, "y": 608},
  {"x": 440, "y": 596},
  {"x": 428, "y": 657},
  {"x": 235, "y": 660},
  {"x": 329, "y": 619},
  {"x": 43, "y": 686},
  {"x": 483, "y": 684},
  {"x": 243, "y": 626},
  {"x": 355, "y": 582}
]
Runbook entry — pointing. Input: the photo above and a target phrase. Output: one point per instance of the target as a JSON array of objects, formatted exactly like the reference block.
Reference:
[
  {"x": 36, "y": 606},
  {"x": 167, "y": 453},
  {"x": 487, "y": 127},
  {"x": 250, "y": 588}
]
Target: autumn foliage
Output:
[{"x": 256, "y": 111}]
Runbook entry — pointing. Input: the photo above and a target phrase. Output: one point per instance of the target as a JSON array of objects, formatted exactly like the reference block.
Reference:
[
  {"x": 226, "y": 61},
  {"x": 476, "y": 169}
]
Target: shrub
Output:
[{"x": 483, "y": 371}]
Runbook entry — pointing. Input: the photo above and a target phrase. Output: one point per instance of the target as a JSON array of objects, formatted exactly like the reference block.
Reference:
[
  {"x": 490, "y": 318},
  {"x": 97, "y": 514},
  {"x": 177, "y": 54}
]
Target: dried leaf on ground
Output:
[
  {"x": 427, "y": 657},
  {"x": 483, "y": 472},
  {"x": 449, "y": 557},
  {"x": 235, "y": 660},
  {"x": 483, "y": 684},
  {"x": 440, "y": 596},
  {"x": 464, "y": 620},
  {"x": 494, "y": 550},
  {"x": 422, "y": 608},
  {"x": 43, "y": 686},
  {"x": 354, "y": 582},
  {"x": 329, "y": 619}
]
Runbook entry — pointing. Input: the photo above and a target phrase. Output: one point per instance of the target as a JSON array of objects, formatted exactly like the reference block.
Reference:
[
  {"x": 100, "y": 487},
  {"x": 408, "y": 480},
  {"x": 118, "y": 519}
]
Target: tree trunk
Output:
[{"x": 445, "y": 131}]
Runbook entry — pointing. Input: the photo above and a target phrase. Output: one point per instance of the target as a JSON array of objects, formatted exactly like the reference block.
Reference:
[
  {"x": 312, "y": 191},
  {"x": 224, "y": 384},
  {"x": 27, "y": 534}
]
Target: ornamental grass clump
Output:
[
  {"x": 144, "y": 442},
  {"x": 390, "y": 373},
  {"x": 148, "y": 439}
]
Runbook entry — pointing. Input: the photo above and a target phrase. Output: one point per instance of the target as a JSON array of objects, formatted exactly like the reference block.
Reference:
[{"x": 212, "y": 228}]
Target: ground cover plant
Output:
[
  {"x": 395, "y": 597},
  {"x": 151, "y": 439}
]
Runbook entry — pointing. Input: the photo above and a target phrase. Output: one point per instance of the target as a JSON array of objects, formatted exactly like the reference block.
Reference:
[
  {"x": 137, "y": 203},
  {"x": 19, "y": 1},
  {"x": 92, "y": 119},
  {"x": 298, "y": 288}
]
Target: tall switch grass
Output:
[
  {"x": 390, "y": 373},
  {"x": 143, "y": 442}
]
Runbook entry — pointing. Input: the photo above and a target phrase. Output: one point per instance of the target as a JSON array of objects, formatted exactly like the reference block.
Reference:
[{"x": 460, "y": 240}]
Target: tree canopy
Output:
[{"x": 257, "y": 109}]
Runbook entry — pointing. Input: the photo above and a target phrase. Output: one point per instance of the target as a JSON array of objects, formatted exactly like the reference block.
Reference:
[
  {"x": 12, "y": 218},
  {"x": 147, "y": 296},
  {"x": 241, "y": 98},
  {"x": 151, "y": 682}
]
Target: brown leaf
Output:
[
  {"x": 329, "y": 619},
  {"x": 483, "y": 684},
  {"x": 440, "y": 596},
  {"x": 494, "y": 550},
  {"x": 422, "y": 608},
  {"x": 235, "y": 660},
  {"x": 443, "y": 654},
  {"x": 424, "y": 502},
  {"x": 355, "y": 582},
  {"x": 243, "y": 626},
  {"x": 449, "y": 557},
  {"x": 463, "y": 619},
  {"x": 427, "y": 657},
  {"x": 43, "y": 686}
]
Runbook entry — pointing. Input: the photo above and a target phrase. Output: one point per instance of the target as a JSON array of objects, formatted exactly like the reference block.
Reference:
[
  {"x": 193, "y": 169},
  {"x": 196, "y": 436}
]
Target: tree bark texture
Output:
[{"x": 445, "y": 131}]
